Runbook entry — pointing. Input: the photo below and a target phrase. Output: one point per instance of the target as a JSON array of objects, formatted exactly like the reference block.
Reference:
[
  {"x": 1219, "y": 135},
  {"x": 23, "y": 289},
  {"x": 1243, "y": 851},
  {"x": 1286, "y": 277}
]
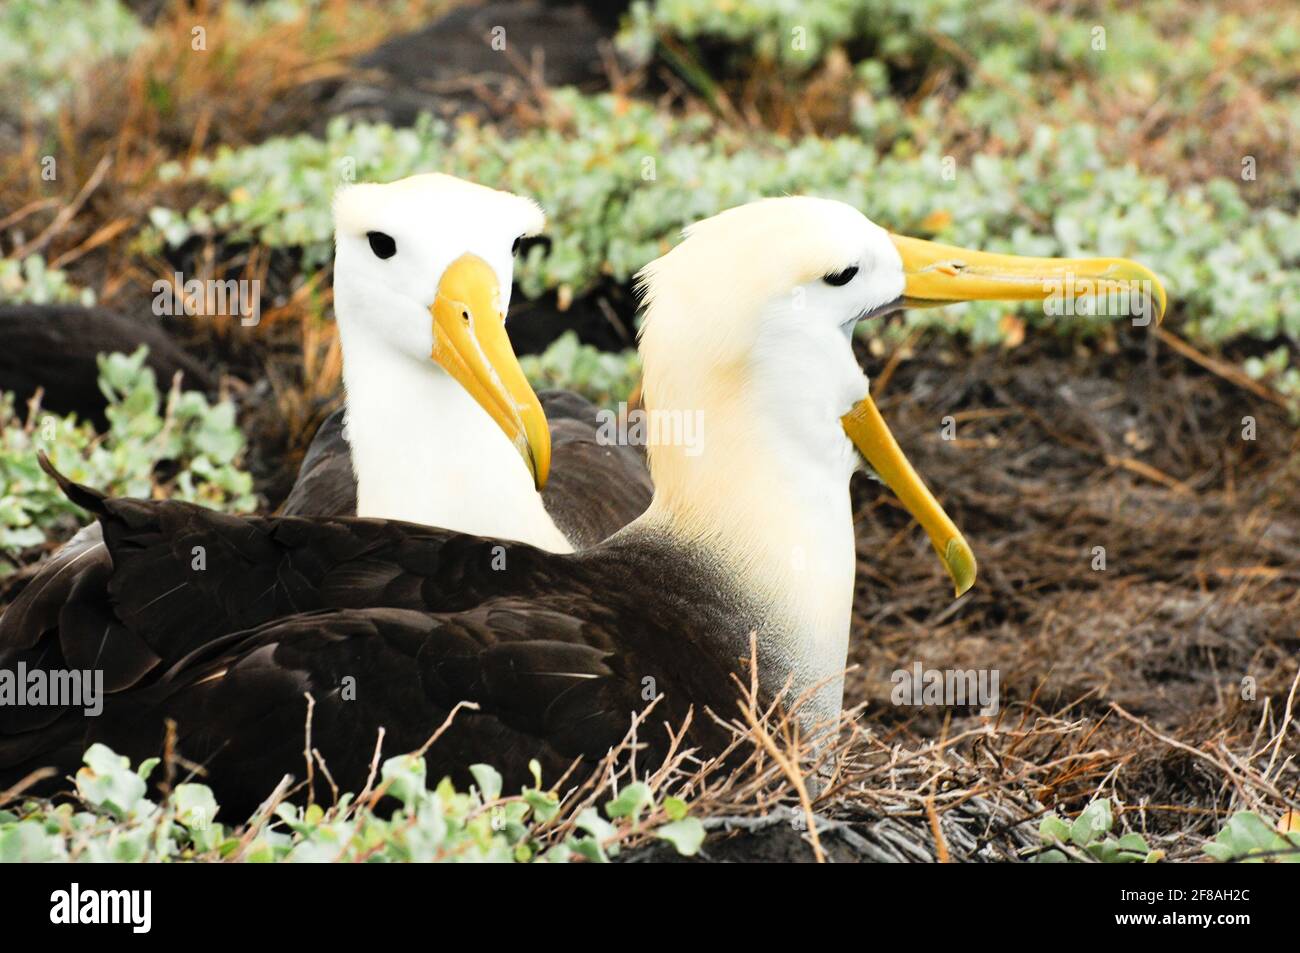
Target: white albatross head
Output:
[{"x": 422, "y": 279}]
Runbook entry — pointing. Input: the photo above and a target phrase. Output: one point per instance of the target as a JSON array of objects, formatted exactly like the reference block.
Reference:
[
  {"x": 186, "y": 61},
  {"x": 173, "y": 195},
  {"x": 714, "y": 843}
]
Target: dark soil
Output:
[{"x": 1193, "y": 623}]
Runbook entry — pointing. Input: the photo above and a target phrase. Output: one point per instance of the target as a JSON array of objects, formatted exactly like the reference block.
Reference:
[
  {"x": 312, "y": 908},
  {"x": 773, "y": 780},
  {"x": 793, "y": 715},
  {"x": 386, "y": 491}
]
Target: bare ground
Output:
[{"x": 1188, "y": 636}]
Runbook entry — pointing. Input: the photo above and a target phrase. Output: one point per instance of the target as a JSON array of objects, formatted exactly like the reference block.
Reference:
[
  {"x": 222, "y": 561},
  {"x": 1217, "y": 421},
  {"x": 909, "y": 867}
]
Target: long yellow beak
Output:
[
  {"x": 869, "y": 433},
  {"x": 470, "y": 344},
  {"x": 937, "y": 274},
  {"x": 943, "y": 274}
]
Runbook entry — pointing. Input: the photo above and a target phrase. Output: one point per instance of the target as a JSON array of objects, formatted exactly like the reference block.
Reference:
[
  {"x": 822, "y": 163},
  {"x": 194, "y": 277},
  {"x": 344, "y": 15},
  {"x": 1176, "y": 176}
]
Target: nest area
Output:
[
  {"x": 1164, "y": 681},
  {"x": 1153, "y": 680}
]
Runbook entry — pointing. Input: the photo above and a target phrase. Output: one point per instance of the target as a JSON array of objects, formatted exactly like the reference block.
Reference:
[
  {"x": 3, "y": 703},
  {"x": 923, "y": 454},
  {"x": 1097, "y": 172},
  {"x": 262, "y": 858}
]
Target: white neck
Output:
[
  {"x": 423, "y": 451},
  {"x": 769, "y": 500}
]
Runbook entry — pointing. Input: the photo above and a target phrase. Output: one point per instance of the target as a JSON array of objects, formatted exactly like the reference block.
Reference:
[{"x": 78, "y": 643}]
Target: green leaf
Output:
[
  {"x": 488, "y": 780},
  {"x": 631, "y": 802},
  {"x": 1051, "y": 829},
  {"x": 1220, "y": 851},
  {"x": 1134, "y": 842},
  {"x": 686, "y": 835},
  {"x": 259, "y": 852},
  {"x": 545, "y": 804},
  {"x": 28, "y": 843},
  {"x": 108, "y": 782},
  {"x": 1094, "y": 822},
  {"x": 405, "y": 775},
  {"x": 196, "y": 807},
  {"x": 589, "y": 848},
  {"x": 1246, "y": 834},
  {"x": 595, "y": 825},
  {"x": 675, "y": 808}
]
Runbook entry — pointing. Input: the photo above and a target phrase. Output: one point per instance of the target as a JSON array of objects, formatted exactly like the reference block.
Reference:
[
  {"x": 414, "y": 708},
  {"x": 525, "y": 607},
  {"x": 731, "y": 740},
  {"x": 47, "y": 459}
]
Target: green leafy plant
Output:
[
  {"x": 118, "y": 822},
  {"x": 145, "y": 427},
  {"x": 46, "y": 45},
  {"x": 600, "y": 376},
  {"x": 31, "y": 281},
  {"x": 797, "y": 36},
  {"x": 1248, "y": 838},
  {"x": 1088, "y": 837},
  {"x": 1009, "y": 59}
]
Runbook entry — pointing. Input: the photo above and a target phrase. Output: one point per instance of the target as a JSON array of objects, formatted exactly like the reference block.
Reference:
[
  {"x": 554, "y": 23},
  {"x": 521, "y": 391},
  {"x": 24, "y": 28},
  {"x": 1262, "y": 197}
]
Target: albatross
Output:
[
  {"x": 440, "y": 425},
  {"x": 438, "y": 412},
  {"x": 390, "y": 625}
]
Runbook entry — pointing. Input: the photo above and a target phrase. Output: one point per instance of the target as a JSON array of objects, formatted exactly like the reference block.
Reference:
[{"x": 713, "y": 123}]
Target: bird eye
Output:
[
  {"x": 838, "y": 278},
  {"x": 525, "y": 243},
  {"x": 382, "y": 245}
]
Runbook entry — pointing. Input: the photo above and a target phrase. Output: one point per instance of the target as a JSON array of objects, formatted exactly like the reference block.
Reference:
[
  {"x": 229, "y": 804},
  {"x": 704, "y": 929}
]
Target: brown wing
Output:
[
  {"x": 596, "y": 488},
  {"x": 244, "y": 615},
  {"x": 544, "y": 692},
  {"x": 326, "y": 485}
]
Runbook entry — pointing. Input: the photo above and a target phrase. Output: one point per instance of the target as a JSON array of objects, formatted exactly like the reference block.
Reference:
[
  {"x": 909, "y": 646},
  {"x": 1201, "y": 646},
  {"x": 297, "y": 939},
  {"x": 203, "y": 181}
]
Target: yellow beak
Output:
[
  {"x": 470, "y": 344},
  {"x": 937, "y": 274},
  {"x": 869, "y": 433},
  {"x": 943, "y": 274}
]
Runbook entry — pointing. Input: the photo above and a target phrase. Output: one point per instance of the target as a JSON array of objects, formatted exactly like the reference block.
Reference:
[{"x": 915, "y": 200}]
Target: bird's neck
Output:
[
  {"x": 423, "y": 451},
  {"x": 775, "y": 520}
]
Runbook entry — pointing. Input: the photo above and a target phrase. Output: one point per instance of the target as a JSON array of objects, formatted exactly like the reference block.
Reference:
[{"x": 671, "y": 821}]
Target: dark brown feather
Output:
[{"x": 385, "y": 624}]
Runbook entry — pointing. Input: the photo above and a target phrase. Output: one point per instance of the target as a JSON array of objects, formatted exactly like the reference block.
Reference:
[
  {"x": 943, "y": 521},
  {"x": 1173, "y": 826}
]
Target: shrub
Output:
[
  {"x": 119, "y": 823},
  {"x": 146, "y": 427},
  {"x": 31, "y": 281},
  {"x": 620, "y": 180}
]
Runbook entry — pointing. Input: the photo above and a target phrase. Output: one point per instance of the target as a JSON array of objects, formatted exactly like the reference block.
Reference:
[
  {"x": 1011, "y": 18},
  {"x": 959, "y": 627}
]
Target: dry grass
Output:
[
  {"x": 889, "y": 794},
  {"x": 168, "y": 102},
  {"x": 1161, "y": 681},
  {"x": 973, "y": 793}
]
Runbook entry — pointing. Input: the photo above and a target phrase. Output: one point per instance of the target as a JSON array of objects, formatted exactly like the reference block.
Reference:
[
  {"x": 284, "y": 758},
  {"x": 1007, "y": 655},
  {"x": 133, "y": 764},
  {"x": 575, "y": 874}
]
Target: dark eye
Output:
[
  {"x": 382, "y": 245},
  {"x": 838, "y": 278},
  {"x": 525, "y": 243}
]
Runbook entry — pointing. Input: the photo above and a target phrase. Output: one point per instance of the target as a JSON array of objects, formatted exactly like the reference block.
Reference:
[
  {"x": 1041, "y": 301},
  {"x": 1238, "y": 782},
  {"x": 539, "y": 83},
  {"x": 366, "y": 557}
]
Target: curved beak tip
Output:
[
  {"x": 959, "y": 560},
  {"x": 1161, "y": 302},
  {"x": 1150, "y": 284},
  {"x": 471, "y": 344}
]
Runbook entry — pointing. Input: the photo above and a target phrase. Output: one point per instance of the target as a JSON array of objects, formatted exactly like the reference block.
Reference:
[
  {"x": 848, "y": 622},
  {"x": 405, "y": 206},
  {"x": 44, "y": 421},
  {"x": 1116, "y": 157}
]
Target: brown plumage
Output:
[
  {"x": 595, "y": 490},
  {"x": 383, "y": 623}
]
